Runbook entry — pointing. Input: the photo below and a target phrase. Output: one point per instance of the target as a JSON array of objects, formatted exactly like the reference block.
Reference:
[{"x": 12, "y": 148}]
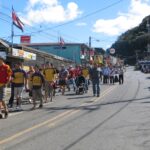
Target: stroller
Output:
[{"x": 80, "y": 83}]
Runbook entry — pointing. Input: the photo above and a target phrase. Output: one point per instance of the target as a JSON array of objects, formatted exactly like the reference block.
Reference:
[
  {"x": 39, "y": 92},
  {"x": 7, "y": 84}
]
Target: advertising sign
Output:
[
  {"x": 23, "y": 54},
  {"x": 25, "y": 39}
]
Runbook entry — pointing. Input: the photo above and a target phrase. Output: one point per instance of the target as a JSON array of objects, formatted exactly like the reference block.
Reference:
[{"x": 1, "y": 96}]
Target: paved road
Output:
[{"x": 118, "y": 120}]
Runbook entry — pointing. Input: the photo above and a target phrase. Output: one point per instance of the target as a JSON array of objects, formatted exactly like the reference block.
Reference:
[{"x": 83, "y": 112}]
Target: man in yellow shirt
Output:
[
  {"x": 49, "y": 76},
  {"x": 19, "y": 78},
  {"x": 85, "y": 73}
]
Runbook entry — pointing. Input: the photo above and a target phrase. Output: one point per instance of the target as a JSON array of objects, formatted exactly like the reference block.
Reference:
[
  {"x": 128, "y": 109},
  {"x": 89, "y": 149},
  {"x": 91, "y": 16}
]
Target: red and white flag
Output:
[
  {"x": 16, "y": 21},
  {"x": 61, "y": 41}
]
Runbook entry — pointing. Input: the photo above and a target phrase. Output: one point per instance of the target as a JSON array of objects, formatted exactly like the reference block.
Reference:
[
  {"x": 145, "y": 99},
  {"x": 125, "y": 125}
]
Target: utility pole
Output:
[{"x": 90, "y": 40}]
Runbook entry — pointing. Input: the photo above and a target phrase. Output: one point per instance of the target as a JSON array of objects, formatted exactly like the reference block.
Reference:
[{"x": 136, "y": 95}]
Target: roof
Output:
[
  {"x": 5, "y": 43},
  {"x": 8, "y": 44},
  {"x": 51, "y": 44}
]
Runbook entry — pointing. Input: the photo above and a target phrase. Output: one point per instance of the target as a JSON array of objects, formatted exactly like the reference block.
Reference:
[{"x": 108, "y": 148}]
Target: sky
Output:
[{"x": 73, "y": 20}]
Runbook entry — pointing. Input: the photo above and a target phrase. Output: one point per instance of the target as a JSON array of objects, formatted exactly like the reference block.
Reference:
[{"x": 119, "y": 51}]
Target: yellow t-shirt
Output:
[
  {"x": 19, "y": 77},
  {"x": 85, "y": 72},
  {"x": 36, "y": 81},
  {"x": 49, "y": 74}
]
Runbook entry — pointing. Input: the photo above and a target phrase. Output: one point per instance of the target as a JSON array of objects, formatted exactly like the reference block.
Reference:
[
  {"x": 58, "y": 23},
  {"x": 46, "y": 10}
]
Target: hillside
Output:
[{"x": 132, "y": 44}]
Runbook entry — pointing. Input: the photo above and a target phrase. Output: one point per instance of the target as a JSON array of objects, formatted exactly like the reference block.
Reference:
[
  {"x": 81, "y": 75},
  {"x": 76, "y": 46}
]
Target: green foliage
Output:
[{"x": 133, "y": 41}]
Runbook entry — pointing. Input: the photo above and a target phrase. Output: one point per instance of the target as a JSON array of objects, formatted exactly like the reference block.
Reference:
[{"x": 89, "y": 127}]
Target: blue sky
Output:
[{"x": 75, "y": 21}]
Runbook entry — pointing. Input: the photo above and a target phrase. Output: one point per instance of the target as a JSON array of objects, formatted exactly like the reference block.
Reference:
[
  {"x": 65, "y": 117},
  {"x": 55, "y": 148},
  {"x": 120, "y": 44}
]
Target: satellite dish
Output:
[{"x": 112, "y": 51}]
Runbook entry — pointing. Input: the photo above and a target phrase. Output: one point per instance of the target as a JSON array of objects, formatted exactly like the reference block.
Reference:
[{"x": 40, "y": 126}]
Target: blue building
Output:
[{"x": 77, "y": 52}]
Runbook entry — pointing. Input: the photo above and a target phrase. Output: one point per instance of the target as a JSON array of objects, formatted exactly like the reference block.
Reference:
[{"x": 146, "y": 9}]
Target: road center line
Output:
[{"x": 52, "y": 120}]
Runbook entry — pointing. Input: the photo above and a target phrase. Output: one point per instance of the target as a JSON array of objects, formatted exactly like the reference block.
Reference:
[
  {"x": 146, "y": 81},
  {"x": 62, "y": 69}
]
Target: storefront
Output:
[{"x": 28, "y": 56}]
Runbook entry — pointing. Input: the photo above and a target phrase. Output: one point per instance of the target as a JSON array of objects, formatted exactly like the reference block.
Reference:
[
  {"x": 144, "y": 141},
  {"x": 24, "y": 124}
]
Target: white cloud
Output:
[
  {"x": 50, "y": 11},
  {"x": 138, "y": 9}
]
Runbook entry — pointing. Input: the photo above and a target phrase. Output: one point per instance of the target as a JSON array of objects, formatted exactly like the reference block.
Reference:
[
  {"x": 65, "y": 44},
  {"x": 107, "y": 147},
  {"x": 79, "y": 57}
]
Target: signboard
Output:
[
  {"x": 23, "y": 54},
  {"x": 3, "y": 55},
  {"x": 28, "y": 55},
  {"x": 25, "y": 39},
  {"x": 112, "y": 51}
]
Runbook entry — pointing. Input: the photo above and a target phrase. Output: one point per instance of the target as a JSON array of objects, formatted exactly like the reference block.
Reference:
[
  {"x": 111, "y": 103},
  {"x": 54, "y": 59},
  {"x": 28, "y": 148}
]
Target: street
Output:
[{"x": 117, "y": 120}]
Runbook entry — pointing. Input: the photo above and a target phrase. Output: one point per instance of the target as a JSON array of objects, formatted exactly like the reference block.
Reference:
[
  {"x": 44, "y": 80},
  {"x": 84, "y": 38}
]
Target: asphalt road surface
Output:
[{"x": 117, "y": 120}]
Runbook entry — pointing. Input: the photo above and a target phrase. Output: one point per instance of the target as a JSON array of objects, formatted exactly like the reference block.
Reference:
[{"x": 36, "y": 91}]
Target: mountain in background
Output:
[{"x": 132, "y": 44}]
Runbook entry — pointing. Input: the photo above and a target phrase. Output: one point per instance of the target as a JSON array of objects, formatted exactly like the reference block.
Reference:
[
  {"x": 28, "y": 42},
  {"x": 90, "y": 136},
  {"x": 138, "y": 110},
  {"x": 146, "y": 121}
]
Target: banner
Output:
[
  {"x": 23, "y": 54},
  {"x": 98, "y": 59},
  {"x": 25, "y": 39}
]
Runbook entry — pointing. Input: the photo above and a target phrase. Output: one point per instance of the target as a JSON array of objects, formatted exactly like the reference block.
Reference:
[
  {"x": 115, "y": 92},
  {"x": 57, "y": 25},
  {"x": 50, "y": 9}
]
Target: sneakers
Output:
[
  {"x": 6, "y": 114},
  {"x": 40, "y": 106},
  {"x": 9, "y": 105},
  {"x": 30, "y": 101},
  {"x": 97, "y": 95},
  {"x": 1, "y": 116},
  {"x": 19, "y": 108}
]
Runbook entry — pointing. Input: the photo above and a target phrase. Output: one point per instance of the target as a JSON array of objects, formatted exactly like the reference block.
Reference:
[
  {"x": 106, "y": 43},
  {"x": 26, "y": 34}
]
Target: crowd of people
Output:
[{"x": 48, "y": 78}]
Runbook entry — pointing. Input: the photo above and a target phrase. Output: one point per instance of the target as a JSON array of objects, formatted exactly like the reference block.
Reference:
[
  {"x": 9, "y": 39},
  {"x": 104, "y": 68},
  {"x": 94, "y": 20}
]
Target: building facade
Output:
[
  {"x": 71, "y": 51},
  {"x": 29, "y": 56}
]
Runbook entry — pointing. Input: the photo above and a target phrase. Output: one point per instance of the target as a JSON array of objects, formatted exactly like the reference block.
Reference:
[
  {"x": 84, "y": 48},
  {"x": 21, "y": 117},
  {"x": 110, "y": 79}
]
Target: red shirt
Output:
[
  {"x": 5, "y": 73},
  {"x": 77, "y": 71},
  {"x": 72, "y": 73}
]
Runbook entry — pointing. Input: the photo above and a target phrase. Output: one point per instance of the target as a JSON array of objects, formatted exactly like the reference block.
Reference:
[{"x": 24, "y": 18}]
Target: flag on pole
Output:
[
  {"x": 16, "y": 21},
  {"x": 61, "y": 41}
]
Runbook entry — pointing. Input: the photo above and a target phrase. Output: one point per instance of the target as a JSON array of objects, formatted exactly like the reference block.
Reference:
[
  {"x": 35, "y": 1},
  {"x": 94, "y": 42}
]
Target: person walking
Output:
[
  {"x": 5, "y": 76},
  {"x": 37, "y": 80},
  {"x": 63, "y": 76},
  {"x": 111, "y": 75},
  {"x": 49, "y": 76},
  {"x": 19, "y": 78},
  {"x": 95, "y": 78},
  {"x": 29, "y": 75},
  {"x": 85, "y": 73},
  {"x": 106, "y": 72},
  {"x": 11, "y": 99},
  {"x": 121, "y": 76}
]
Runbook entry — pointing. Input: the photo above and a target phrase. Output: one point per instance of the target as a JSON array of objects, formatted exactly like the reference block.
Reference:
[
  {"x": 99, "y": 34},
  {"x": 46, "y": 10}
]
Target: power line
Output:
[
  {"x": 86, "y": 16},
  {"x": 42, "y": 31}
]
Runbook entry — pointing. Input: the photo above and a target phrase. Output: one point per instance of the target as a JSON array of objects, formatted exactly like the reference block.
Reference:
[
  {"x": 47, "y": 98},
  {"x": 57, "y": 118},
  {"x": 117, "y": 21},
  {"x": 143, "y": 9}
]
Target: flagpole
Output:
[{"x": 12, "y": 35}]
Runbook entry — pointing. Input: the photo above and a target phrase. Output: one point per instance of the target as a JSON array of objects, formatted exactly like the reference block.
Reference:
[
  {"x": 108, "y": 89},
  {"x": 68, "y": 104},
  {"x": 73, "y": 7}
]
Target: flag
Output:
[
  {"x": 61, "y": 41},
  {"x": 16, "y": 21}
]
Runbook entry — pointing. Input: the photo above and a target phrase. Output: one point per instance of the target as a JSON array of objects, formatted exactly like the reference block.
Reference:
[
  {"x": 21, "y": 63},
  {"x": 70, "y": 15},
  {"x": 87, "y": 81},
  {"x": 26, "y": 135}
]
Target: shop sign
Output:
[{"x": 23, "y": 54}]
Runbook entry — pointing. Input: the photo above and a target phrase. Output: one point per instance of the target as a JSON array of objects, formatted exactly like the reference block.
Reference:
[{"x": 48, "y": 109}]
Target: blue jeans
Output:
[
  {"x": 86, "y": 84},
  {"x": 96, "y": 86},
  {"x": 72, "y": 81}
]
